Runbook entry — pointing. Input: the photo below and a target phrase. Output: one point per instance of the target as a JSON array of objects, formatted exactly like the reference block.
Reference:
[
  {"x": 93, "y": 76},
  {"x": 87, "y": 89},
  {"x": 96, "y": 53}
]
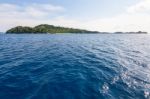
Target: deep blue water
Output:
[{"x": 75, "y": 66}]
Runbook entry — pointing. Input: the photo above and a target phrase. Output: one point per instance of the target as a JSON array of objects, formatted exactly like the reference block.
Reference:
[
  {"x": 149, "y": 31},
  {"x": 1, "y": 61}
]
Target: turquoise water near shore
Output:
[{"x": 75, "y": 66}]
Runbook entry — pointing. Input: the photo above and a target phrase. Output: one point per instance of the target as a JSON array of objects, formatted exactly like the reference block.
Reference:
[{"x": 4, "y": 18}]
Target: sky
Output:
[{"x": 97, "y": 15}]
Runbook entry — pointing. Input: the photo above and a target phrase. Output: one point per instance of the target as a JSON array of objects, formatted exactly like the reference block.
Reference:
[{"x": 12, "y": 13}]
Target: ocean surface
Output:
[{"x": 75, "y": 66}]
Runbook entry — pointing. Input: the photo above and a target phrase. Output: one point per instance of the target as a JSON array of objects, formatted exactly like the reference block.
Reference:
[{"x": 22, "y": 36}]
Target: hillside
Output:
[{"x": 44, "y": 28}]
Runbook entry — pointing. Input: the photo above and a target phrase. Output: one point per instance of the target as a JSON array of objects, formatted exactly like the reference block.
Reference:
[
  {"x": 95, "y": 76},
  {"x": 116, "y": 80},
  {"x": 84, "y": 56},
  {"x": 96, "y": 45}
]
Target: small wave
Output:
[
  {"x": 74, "y": 67},
  {"x": 104, "y": 89}
]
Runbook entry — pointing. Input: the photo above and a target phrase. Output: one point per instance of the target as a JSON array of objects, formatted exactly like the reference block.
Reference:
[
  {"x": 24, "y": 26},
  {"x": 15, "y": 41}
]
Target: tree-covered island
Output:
[{"x": 45, "y": 28}]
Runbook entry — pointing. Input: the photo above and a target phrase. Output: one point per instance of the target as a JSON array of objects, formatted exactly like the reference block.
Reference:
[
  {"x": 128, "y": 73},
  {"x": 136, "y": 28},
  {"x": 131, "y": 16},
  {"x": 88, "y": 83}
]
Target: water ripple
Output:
[{"x": 77, "y": 66}]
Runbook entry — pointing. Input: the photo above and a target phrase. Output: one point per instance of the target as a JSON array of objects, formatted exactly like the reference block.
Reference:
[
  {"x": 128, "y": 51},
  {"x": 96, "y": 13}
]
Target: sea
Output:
[{"x": 74, "y": 66}]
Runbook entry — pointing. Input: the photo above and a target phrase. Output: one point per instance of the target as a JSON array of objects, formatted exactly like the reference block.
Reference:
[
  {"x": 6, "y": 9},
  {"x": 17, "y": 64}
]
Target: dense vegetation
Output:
[{"x": 44, "y": 28}]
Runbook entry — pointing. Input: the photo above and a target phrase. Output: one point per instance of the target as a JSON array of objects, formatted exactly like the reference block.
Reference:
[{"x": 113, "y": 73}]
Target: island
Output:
[
  {"x": 45, "y": 28},
  {"x": 139, "y": 32},
  {"x": 51, "y": 29}
]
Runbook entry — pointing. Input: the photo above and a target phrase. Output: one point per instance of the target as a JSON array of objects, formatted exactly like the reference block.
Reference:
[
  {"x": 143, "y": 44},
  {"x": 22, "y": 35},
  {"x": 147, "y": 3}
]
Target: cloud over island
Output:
[{"x": 133, "y": 18}]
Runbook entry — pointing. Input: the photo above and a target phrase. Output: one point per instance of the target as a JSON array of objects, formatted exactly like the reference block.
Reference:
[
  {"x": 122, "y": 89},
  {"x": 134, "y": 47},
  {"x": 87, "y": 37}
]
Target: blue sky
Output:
[
  {"x": 83, "y": 8},
  {"x": 101, "y": 15}
]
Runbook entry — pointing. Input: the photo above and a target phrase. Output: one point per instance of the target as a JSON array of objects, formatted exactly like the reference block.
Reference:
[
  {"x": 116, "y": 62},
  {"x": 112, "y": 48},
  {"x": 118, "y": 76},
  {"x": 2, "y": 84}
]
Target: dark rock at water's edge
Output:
[{"x": 45, "y": 28}]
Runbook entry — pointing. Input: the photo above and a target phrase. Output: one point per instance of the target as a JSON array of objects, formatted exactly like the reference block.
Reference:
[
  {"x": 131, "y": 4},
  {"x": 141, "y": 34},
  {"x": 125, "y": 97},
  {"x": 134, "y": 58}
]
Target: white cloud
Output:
[
  {"x": 8, "y": 7},
  {"x": 13, "y": 15},
  {"x": 32, "y": 11},
  {"x": 132, "y": 19},
  {"x": 38, "y": 10},
  {"x": 141, "y": 7},
  {"x": 124, "y": 22}
]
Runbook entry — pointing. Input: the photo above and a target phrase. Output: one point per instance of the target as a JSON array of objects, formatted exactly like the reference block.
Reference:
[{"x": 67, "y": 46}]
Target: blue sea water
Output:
[{"x": 75, "y": 66}]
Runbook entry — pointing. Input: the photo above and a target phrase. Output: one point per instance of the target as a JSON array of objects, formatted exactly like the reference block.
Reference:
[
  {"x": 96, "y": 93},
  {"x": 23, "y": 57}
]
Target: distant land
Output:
[
  {"x": 51, "y": 29},
  {"x": 45, "y": 28},
  {"x": 139, "y": 32}
]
